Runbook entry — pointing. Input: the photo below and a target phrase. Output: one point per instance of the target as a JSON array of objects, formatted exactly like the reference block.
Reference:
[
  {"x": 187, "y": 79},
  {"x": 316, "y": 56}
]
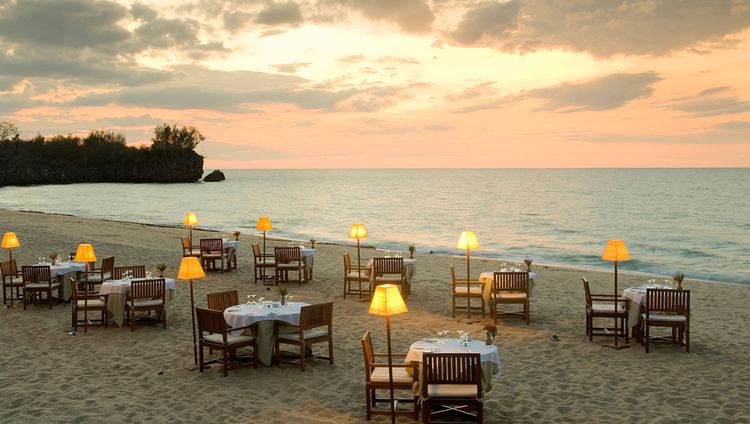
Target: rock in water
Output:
[{"x": 214, "y": 176}]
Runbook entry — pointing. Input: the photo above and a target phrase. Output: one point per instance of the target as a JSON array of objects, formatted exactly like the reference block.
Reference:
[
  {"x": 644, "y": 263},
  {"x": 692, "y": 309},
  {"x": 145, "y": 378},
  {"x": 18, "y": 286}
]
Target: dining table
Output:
[
  {"x": 66, "y": 271},
  {"x": 488, "y": 278},
  {"x": 410, "y": 268},
  {"x": 308, "y": 260},
  {"x": 489, "y": 355},
  {"x": 231, "y": 247},
  {"x": 263, "y": 316},
  {"x": 117, "y": 291}
]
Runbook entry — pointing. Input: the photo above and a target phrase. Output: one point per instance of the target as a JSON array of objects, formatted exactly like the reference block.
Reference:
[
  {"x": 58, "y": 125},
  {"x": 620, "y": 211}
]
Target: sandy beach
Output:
[{"x": 113, "y": 375}]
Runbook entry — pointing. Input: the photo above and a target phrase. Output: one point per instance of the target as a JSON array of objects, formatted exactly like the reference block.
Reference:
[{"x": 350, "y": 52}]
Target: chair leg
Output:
[
  {"x": 302, "y": 355},
  {"x": 330, "y": 349},
  {"x": 225, "y": 361},
  {"x": 200, "y": 356},
  {"x": 687, "y": 338},
  {"x": 425, "y": 412},
  {"x": 453, "y": 307},
  {"x": 647, "y": 335},
  {"x": 367, "y": 403}
]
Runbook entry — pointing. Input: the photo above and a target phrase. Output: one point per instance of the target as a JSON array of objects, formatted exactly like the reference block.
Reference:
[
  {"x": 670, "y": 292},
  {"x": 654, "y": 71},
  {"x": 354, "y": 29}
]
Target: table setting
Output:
[
  {"x": 65, "y": 270},
  {"x": 116, "y": 291},
  {"x": 487, "y": 278},
  {"x": 637, "y": 296}
]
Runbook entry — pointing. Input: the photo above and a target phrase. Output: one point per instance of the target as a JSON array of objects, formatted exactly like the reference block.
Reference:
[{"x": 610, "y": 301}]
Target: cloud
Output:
[
  {"x": 290, "y": 68},
  {"x": 398, "y": 60},
  {"x": 712, "y": 106},
  {"x": 603, "y": 29},
  {"x": 734, "y": 126},
  {"x": 288, "y": 13},
  {"x": 240, "y": 152},
  {"x": 410, "y": 15},
  {"x": 235, "y": 21},
  {"x": 480, "y": 90},
  {"x": 604, "y": 93}
]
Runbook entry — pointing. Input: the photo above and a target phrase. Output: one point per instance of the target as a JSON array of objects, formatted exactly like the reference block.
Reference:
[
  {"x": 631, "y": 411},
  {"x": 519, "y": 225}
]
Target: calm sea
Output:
[{"x": 695, "y": 221}]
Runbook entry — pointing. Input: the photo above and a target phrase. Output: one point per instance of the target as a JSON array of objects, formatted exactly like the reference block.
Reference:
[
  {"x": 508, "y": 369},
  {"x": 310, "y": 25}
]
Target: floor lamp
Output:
[
  {"x": 616, "y": 251},
  {"x": 468, "y": 241},
  {"x": 358, "y": 231},
  {"x": 264, "y": 224},
  {"x": 85, "y": 254},
  {"x": 10, "y": 241},
  {"x": 190, "y": 220},
  {"x": 190, "y": 269},
  {"x": 387, "y": 301}
]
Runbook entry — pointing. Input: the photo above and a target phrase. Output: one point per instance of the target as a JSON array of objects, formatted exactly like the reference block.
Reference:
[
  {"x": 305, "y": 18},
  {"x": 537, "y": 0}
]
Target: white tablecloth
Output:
[
  {"x": 67, "y": 271},
  {"x": 245, "y": 315},
  {"x": 489, "y": 277},
  {"x": 489, "y": 355},
  {"x": 117, "y": 291},
  {"x": 234, "y": 244}
]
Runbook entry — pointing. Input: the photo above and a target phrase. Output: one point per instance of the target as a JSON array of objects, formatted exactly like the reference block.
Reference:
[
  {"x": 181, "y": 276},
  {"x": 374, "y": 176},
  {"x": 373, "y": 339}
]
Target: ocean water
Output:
[{"x": 695, "y": 221}]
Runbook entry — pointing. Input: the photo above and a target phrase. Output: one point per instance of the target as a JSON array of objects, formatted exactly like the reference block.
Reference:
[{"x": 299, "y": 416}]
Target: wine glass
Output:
[{"x": 290, "y": 297}]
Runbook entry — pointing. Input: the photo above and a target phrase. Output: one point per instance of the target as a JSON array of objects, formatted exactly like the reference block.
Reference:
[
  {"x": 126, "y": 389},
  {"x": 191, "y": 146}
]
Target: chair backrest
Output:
[
  {"x": 108, "y": 265},
  {"x": 668, "y": 301},
  {"x": 451, "y": 368},
  {"x": 388, "y": 266},
  {"x": 347, "y": 262},
  {"x": 318, "y": 315},
  {"x": 286, "y": 254},
  {"x": 368, "y": 354},
  {"x": 511, "y": 281},
  {"x": 222, "y": 300},
  {"x": 8, "y": 269},
  {"x": 211, "y": 321},
  {"x": 147, "y": 289},
  {"x": 212, "y": 245},
  {"x": 185, "y": 242},
  {"x": 36, "y": 274},
  {"x": 587, "y": 290},
  {"x": 256, "y": 252},
  {"x": 139, "y": 271}
]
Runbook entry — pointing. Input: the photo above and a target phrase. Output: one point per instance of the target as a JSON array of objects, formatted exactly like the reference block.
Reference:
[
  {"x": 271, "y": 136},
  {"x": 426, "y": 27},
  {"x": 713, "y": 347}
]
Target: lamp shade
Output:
[
  {"x": 190, "y": 219},
  {"x": 468, "y": 240},
  {"x": 358, "y": 231},
  {"x": 85, "y": 253},
  {"x": 10, "y": 241},
  {"x": 264, "y": 224},
  {"x": 190, "y": 268},
  {"x": 387, "y": 301},
  {"x": 615, "y": 251}
]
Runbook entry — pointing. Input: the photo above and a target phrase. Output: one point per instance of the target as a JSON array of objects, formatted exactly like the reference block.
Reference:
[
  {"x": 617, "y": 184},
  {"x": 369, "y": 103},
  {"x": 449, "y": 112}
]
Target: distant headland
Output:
[{"x": 101, "y": 156}]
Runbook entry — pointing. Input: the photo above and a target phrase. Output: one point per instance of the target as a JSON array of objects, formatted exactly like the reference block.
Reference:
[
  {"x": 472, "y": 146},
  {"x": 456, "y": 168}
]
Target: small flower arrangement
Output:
[
  {"x": 528, "y": 262},
  {"x": 491, "y": 329},
  {"x": 53, "y": 256},
  {"x": 412, "y": 249},
  {"x": 312, "y": 243},
  {"x": 161, "y": 268},
  {"x": 678, "y": 278},
  {"x": 283, "y": 291},
  {"x": 236, "y": 235}
]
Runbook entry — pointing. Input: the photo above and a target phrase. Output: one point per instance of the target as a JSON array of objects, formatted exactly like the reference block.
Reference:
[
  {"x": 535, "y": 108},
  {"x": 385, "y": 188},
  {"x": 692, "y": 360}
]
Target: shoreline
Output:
[{"x": 548, "y": 265}]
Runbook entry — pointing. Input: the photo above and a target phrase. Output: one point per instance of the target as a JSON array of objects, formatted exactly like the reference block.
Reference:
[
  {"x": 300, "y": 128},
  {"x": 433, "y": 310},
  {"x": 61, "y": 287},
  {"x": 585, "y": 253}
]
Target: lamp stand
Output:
[
  {"x": 359, "y": 272},
  {"x": 191, "y": 239},
  {"x": 85, "y": 300},
  {"x": 265, "y": 258},
  {"x": 390, "y": 367},
  {"x": 10, "y": 262},
  {"x": 468, "y": 282},
  {"x": 192, "y": 321},
  {"x": 616, "y": 346}
]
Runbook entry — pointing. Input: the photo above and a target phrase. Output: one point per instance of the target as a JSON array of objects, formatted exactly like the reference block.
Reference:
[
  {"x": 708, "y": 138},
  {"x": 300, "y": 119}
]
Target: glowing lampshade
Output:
[
  {"x": 85, "y": 253},
  {"x": 190, "y": 268},
  {"x": 10, "y": 241},
  {"x": 468, "y": 240},
  {"x": 358, "y": 231},
  {"x": 387, "y": 301},
  {"x": 615, "y": 251},
  {"x": 264, "y": 224},
  {"x": 190, "y": 219}
]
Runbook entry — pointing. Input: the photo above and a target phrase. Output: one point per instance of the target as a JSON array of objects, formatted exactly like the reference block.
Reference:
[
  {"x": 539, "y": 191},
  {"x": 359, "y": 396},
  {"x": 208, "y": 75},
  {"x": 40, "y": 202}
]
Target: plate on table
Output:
[
  {"x": 234, "y": 309},
  {"x": 429, "y": 340}
]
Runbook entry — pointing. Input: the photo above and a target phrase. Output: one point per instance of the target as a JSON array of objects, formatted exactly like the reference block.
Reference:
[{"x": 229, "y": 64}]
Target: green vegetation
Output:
[{"x": 101, "y": 156}]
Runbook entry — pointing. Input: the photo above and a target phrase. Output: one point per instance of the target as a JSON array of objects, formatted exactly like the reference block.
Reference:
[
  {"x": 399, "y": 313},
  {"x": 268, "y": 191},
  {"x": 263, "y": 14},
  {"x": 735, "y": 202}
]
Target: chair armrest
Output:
[
  {"x": 398, "y": 365},
  {"x": 385, "y": 355}
]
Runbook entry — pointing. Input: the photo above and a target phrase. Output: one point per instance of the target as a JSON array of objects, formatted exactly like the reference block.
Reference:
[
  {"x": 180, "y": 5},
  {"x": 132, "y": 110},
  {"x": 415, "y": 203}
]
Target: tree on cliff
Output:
[
  {"x": 9, "y": 131},
  {"x": 169, "y": 137}
]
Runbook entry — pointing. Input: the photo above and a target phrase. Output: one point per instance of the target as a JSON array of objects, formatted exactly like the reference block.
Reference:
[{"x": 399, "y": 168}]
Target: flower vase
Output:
[
  {"x": 161, "y": 274},
  {"x": 488, "y": 340},
  {"x": 283, "y": 300}
]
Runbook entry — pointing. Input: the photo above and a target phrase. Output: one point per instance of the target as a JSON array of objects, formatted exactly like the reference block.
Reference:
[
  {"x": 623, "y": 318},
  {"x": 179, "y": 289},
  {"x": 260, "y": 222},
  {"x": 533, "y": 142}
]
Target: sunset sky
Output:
[{"x": 391, "y": 83}]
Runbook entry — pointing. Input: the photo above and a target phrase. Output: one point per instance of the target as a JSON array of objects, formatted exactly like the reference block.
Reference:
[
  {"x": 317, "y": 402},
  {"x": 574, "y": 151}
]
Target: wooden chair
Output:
[
  {"x": 212, "y": 250},
  {"x": 668, "y": 308},
  {"x": 405, "y": 377},
  {"x": 315, "y": 326},
  {"x": 87, "y": 301},
  {"x": 99, "y": 275},
  {"x": 219, "y": 337},
  {"x": 465, "y": 289},
  {"x": 188, "y": 250},
  {"x": 288, "y": 259},
  {"x": 37, "y": 279},
  {"x": 603, "y": 306},
  {"x": 510, "y": 288},
  {"x": 223, "y": 300},
  {"x": 263, "y": 261},
  {"x": 138, "y": 271},
  {"x": 12, "y": 280},
  {"x": 389, "y": 271},
  {"x": 355, "y": 274},
  {"x": 451, "y": 379},
  {"x": 147, "y": 295}
]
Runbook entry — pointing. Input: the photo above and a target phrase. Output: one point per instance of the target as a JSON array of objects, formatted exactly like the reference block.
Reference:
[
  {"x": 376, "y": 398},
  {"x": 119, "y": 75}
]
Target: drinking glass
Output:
[{"x": 290, "y": 297}]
